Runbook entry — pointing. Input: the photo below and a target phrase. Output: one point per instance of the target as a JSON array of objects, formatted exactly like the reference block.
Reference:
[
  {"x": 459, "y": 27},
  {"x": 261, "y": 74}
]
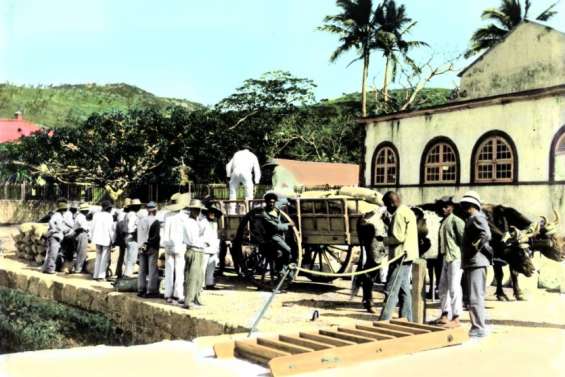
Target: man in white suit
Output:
[{"x": 243, "y": 169}]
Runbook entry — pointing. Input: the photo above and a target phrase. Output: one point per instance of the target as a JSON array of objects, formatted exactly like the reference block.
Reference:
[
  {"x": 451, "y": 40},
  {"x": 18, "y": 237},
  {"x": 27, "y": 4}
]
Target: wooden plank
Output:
[
  {"x": 404, "y": 322},
  {"x": 224, "y": 350},
  {"x": 326, "y": 339},
  {"x": 419, "y": 291},
  {"x": 348, "y": 355},
  {"x": 282, "y": 346},
  {"x": 402, "y": 328},
  {"x": 316, "y": 346},
  {"x": 365, "y": 334},
  {"x": 344, "y": 336},
  {"x": 392, "y": 333},
  {"x": 257, "y": 353}
]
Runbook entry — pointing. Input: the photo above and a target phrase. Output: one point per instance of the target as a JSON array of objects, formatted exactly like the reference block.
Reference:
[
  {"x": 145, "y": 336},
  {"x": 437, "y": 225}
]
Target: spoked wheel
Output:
[
  {"x": 326, "y": 258},
  {"x": 257, "y": 268}
]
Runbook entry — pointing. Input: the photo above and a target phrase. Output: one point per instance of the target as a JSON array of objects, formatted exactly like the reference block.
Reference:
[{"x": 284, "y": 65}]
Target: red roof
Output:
[
  {"x": 13, "y": 129},
  {"x": 310, "y": 173}
]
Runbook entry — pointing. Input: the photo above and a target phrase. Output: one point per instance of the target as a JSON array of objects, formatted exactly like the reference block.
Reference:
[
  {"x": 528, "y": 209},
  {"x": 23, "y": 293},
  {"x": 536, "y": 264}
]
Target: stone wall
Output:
[
  {"x": 21, "y": 211},
  {"x": 147, "y": 320}
]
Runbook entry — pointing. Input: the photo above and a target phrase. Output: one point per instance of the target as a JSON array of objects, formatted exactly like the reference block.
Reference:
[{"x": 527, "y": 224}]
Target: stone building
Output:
[{"x": 504, "y": 137}]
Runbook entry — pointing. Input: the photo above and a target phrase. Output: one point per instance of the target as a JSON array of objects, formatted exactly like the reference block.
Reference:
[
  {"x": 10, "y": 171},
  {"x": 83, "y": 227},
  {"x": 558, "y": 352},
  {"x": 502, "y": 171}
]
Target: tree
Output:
[
  {"x": 503, "y": 19},
  {"x": 392, "y": 26},
  {"x": 355, "y": 27}
]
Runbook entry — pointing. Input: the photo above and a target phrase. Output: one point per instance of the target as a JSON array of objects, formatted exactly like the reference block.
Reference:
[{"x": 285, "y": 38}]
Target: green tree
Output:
[
  {"x": 355, "y": 26},
  {"x": 392, "y": 27},
  {"x": 503, "y": 19}
]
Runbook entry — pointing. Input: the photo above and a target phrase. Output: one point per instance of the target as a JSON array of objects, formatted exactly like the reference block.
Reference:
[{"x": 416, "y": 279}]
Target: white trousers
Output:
[
  {"x": 174, "y": 275},
  {"x": 101, "y": 262},
  {"x": 237, "y": 180},
  {"x": 450, "y": 291},
  {"x": 212, "y": 261}
]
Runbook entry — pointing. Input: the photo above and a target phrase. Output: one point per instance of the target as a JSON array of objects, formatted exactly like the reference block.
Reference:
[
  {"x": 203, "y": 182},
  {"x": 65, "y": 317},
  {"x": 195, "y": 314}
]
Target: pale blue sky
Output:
[{"x": 203, "y": 50}]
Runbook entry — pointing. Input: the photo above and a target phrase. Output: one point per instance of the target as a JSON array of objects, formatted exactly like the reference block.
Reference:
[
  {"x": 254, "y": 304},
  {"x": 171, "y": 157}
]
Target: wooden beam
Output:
[
  {"x": 404, "y": 322},
  {"x": 392, "y": 333},
  {"x": 326, "y": 339},
  {"x": 344, "y": 336},
  {"x": 282, "y": 346},
  {"x": 365, "y": 334},
  {"x": 419, "y": 291},
  {"x": 257, "y": 353},
  {"x": 224, "y": 350},
  {"x": 407, "y": 329},
  {"x": 305, "y": 343}
]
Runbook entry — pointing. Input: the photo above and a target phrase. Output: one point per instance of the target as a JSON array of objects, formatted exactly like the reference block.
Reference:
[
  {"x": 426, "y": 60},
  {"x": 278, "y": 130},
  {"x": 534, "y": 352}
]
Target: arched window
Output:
[
  {"x": 495, "y": 159},
  {"x": 557, "y": 157},
  {"x": 440, "y": 162},
  {"x": 385, "y": 165}
]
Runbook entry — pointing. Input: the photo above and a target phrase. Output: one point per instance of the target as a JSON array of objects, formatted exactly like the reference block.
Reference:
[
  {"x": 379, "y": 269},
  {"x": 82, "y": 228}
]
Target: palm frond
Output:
[{"x": 548, "y": 13}]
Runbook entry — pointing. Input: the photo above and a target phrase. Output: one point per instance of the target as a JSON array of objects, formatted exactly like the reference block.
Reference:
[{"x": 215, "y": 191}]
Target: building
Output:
[
  {"x": 285, "y": 174},
  {"x": 13, "y": 129},
  {"x": 504, "y": 137}
]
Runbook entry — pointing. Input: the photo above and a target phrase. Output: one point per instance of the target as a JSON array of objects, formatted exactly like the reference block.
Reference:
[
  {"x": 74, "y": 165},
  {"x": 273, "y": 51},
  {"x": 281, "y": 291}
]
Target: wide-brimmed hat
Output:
[
  {"x": 471, "y": 197},
  {"x": 84, "y": 207},
  {"x": 178, "y": 201},
  {"x": 151, "y": 205},
  {"x": 215, "y": 207},
  {"x": 195, "y": 204},
  {"x": 270, "y": 194},
  {"x": 106, "y": 204},
  {"x": 445, "y": 200},
  {"x": 133, "y": 203},
  {"x": 62, "y": 206},
  {"x": 127, "y": 202},
  {"x": 73, "y": 204}
]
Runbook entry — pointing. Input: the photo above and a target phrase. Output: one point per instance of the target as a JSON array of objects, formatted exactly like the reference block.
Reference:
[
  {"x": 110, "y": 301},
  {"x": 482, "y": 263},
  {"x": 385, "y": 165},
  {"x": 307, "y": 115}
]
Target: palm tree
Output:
[
  {"x": 504, "y": 18},
  {"x": 355, "y": 28},
  {"x": 392, "y": 26}
]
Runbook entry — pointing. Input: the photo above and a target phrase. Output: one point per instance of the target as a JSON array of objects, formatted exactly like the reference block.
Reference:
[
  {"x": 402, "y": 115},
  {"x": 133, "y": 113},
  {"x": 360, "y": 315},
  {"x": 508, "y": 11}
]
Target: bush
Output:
[{"x": 29, "y": 323}]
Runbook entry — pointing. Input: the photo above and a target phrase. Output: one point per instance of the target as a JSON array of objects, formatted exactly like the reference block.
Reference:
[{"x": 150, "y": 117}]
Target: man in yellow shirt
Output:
[{"x": 402, "y": 240}]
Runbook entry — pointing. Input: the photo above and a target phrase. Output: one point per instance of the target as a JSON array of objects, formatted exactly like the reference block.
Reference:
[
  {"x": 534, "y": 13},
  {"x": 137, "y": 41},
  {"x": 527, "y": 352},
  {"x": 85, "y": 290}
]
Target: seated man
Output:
[{"x": 274, "y": 231}]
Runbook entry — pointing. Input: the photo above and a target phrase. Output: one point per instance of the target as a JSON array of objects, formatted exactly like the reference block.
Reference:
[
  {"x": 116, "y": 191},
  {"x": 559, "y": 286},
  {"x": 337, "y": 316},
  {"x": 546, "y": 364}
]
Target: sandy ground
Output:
[{"x": 528, "y": 338}]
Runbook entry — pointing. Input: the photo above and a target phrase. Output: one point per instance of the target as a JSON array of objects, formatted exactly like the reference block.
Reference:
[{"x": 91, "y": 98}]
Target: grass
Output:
[
  {"x": 28, "y": 323},
  {"x": 69, "y": 105}
]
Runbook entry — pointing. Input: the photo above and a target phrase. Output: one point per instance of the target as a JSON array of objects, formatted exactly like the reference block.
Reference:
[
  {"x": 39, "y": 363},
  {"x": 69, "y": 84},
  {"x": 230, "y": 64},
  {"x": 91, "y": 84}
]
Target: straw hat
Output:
[
  {"x": 215, "y": 207},
  {"x": 178, "y": 202},
  {"x": 127, "y": 202},
  {"x": 133, "y": 203},
  {"x": 84, "y": 207},
  {"x": 473, "y": 198},
  {"x": 195, "y": 204},
  {"x": 62, "y": 206}
]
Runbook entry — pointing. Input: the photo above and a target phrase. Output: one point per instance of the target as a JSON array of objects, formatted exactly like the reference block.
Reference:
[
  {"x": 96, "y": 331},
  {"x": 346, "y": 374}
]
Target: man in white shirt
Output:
[
  {"x": 55, "y": 234},
  {"x": 212, "y": 243},
  {"x": 175, "y": 247},
  {"x": 148, "y": 239},
  {"x": 81, "y": 231},
  {"x": 242, "y": 168},
  {"x": 103, "y": 235},
  {"x": 131, "y": 220},
  {"x": 194, "y": 273}
]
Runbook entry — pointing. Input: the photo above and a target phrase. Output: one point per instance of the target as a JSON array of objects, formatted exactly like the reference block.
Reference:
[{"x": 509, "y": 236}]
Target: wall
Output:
[
  {"x": 532, "y": 124},
  {"x": 532, "y": 56},
  {"x": 17, "y": 211}
]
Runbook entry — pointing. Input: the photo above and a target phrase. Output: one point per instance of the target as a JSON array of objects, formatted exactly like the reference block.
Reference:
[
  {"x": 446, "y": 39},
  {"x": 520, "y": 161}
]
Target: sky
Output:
[{"x": 203, "y": 50}]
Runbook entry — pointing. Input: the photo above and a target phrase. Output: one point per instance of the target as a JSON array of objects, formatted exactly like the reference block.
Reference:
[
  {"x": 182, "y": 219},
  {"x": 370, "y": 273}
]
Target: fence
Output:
[{"x": 51, "y": 192}]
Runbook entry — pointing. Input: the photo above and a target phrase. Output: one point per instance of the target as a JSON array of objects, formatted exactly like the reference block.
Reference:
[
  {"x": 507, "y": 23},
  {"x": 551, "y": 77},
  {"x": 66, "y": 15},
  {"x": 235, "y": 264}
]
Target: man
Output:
[
  {"x": 477, "y": 255},
  {"x": 194, "y": 274},
  {"x": 450, "y": 241},
  {"x": 173, "y": 242},
  {"x": 103, "y": 235},
  {"x": 402, "y": 240},
  {"x": 82, "y": 234},
  {"x": 131, "y": 220},
  {"x": 240, "y": 171},
  {"x": 275, "y": 231},
  {"x": 68, "y": 244},
  {"x": 55, "y": 234},
  {"x": 121, "y": 234},
  {"x": 212, "y": 243},
  {"x": 148, "y": 239}
]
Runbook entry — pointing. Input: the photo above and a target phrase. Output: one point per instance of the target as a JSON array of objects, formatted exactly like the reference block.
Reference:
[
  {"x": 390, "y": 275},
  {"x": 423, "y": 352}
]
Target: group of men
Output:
[
  {"x": 465, "y": 247},
  {"x": 188, "y": 232}
]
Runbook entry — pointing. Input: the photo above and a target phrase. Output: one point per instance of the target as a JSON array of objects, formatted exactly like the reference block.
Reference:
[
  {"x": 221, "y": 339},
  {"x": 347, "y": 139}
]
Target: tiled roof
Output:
[
  {"x": 13, "y": 129},
  {"x": 310, "y": 173}
]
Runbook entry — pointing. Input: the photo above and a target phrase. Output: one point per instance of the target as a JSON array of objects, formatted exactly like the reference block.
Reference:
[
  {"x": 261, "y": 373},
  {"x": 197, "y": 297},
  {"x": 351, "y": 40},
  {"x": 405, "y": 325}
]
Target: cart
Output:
[{"x": 324, "y": 235}]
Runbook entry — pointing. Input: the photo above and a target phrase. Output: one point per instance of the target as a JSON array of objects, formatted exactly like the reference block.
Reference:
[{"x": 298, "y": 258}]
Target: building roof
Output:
[
  {"x": 309, "y": 173},
  {"x": 485, "y": 53},
  {"x": 13, "y": 129},
  {"x": 469, "y": 104}
]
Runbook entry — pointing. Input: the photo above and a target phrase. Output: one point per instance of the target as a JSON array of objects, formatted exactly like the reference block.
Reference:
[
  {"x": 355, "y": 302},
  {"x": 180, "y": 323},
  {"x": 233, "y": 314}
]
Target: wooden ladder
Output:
[{"x": 294, "y": 353}]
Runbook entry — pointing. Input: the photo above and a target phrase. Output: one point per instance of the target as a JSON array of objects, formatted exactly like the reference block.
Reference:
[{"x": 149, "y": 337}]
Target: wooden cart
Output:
[{"x": 326, "y": 229}]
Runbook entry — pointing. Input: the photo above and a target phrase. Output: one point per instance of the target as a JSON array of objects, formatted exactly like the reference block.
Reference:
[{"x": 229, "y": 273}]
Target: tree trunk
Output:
[
  {"x": 364, "y": 85},
  {"x": 385, "y": 83}
]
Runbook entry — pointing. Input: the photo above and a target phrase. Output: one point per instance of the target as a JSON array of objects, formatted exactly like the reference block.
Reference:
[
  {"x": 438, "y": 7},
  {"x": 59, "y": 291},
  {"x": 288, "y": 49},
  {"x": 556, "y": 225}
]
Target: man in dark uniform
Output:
[{"x": 275, "y": 231}]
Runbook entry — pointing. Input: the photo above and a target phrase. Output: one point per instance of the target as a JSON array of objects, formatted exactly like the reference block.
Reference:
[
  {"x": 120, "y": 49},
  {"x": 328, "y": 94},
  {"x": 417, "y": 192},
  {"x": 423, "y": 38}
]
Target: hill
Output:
[{"x": 69, "y": 105}]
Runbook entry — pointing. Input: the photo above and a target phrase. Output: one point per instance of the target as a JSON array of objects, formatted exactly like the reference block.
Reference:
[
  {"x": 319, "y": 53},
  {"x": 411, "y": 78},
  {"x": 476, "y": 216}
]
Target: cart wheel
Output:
[{"x": 326, "y": 258}]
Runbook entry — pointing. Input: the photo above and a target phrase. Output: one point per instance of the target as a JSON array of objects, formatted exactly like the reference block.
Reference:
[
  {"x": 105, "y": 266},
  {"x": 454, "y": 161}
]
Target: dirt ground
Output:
[{"x": 527, "y": 339}]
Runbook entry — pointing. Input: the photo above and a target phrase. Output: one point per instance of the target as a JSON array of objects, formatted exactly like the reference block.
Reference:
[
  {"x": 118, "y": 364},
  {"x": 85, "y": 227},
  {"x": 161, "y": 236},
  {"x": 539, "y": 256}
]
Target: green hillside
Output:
[{"x": 68, "y": 105}]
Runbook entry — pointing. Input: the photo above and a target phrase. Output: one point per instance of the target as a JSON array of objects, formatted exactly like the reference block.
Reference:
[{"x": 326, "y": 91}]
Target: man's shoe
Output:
[
  {"x": 170, "y": 300},
  {"x": 452, "y": 324},
  {"x": 141, "y": 294},
  {"x": 212, "y": 288},
  {"x": 441, "y": 321}
]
